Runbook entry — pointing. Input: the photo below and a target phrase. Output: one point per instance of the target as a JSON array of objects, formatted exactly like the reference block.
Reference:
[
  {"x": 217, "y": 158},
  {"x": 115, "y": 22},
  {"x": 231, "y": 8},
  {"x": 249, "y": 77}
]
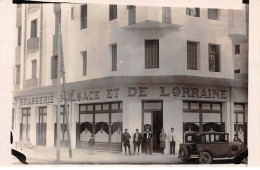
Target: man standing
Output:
[
  {"x": 126, "y": 141},
  {"x": 172, "y": 139},
  {"x": 148, "y": 141},
  {"x": 137, "y": 140},
  {"x": 237, "y": 139}
]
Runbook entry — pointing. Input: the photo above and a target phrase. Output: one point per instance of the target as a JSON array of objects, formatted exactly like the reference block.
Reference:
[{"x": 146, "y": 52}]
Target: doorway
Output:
[
  {"x": 153, "y": 120},
  {"x": 25, "y": 125},
  {"x": 41, "y": 127}
]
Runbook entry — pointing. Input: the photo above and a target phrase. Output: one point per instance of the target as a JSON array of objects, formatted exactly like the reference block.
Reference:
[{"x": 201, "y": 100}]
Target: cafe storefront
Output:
[{"x": 105, "y": 112}]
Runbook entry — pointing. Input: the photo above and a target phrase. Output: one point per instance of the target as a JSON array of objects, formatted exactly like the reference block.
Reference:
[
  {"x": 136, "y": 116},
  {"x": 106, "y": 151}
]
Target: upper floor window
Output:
[
  {"x": 72, "y": 13},
  {"x": 57, "y": 20},
  {"x": 19, "y": 36},
  {"x": 83, "y": 16},
  {"x": 237, "y": 49},
  {"x": 112, "y": 12},
  {"x": 192, "y": 55},
  {"x": 237, "y": 71},
  {"x": 213, "y": 14},
  {"x": 84, "y": 62},
  {"x": 193, "y": 12},
  {"x": 114, "y": 57},
  {"x": 34, "y": 28},
  {"x": 54, "y": 67},
  {"x": 214, "y": 58},
  {"x": 34, "y": 69},
  {"x": 151, "y": 53},
  {"x": 131, "y": 14}
]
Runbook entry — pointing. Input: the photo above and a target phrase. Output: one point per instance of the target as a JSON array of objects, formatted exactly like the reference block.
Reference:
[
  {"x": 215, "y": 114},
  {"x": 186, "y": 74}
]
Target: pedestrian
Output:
[
  {"x": 137, "y": 139},
  {"x": 162, "y": 140},
  {"x": 126, "y": 141},
  {"x": 172, "y": 139},
  {"x": 148, "y": 141},
  {"x": 91, "y": 145},
  {"x": 237, "y": 139}
]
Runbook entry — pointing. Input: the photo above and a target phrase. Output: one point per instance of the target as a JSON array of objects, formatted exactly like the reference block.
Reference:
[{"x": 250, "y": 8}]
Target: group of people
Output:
[{"x": 146, "y": 139}]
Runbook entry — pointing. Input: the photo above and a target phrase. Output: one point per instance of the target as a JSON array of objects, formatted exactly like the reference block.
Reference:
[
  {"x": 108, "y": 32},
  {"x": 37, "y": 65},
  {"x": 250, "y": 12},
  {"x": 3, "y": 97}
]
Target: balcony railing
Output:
[
  {"x": 33, "y": 43},
  {"x": 30, "y": 83},
  {"x": 18, "y": 55},
  {"x": 241, "y": 76}
]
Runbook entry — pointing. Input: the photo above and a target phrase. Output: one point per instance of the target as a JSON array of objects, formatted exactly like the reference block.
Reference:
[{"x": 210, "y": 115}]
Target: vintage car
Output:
[{"x": 208, "y": 146}]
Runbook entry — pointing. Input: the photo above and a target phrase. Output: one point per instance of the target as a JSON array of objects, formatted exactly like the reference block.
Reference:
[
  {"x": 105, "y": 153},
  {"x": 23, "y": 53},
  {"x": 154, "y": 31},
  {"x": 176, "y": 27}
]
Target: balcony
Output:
[
  {"x": 30, "y": 83},
  {"x": 33, "y": 7},
  {"x": 241, "y": 76},
  {"x": 33, "y": 44},
  {"x": 18, "y": 55},
  {"x": 149, "y": 17},
  {"x": 18, "y": 17},
  {"x": 55, "y": 45}
]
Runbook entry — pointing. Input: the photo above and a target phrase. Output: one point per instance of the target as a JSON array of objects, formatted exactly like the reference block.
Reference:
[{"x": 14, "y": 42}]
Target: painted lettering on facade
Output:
[{"x": 48, "y": 99}]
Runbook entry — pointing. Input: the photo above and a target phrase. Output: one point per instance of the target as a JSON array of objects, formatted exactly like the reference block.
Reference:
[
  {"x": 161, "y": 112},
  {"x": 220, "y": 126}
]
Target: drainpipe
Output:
[
  {"x": 25, "y": 45},
  {"x": 41, "y": 18}
]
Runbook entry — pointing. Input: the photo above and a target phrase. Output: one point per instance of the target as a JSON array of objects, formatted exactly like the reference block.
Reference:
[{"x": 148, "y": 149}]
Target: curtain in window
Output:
[{"x": 152, "y": 53}]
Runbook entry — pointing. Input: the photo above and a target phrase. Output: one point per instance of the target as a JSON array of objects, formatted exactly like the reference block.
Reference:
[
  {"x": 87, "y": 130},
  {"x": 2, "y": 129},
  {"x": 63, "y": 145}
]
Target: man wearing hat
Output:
[
  {"x": 126, "y": 141},
  {"x": 137, "y": 140}
]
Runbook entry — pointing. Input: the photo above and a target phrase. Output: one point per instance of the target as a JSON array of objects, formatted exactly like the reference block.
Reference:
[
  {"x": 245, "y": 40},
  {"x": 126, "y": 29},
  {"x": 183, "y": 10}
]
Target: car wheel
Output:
[
  {"x": 205, "y": 158},
  {"x": 183, "y": 153}
]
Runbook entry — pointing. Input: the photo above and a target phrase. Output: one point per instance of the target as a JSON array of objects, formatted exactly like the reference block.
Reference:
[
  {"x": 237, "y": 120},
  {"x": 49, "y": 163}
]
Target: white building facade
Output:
[{"x": 130, "y": 67}]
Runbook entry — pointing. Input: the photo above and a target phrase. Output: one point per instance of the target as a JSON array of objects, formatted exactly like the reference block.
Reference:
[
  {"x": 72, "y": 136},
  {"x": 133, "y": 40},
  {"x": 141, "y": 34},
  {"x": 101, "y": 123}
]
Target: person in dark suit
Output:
[
  {"x": 126, "y": 141},
  {"x": 237, "y": 139},
  {"x": 148, "y": 141},
  {"x": 137, "y": 139}
]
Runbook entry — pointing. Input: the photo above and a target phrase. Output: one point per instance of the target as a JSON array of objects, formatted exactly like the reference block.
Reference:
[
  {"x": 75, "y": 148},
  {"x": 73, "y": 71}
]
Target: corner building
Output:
[{"x": 130, "y": 67}]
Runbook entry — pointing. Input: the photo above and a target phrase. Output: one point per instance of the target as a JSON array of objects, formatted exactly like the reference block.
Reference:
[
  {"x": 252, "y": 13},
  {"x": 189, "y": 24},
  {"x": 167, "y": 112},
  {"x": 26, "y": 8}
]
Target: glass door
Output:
[
  {"x": 41, "y": 127},
  {"x": 25, "y": 125}
]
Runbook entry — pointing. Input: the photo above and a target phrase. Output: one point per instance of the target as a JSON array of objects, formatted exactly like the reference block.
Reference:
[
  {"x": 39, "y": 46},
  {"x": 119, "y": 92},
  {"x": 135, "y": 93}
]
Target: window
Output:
[
  {"x": 213, "y": 14},
  {"x": 72, "y": 13},
  {"x": 237, "y": 49},
  {"x": 151, "y": 53},
  {"x": 19, "y": 36},
  {"x": 131, "y": 14},
  {"x": 192, "y": 55},
  {"x": 114, "y": 57},
  {"x": 17, "y": 74},
  {"x": 57, "y": 21},
  {"x": 34, "y": 69},
  {"x": 112, "y": 12},
  {"x": 193, "y": 12},
  {"x": 54, "y": 67},
  {"x": 237, "y": 71},
  {"x": 34, "y": 28},
  {"x": 84, "y": 61},
  {"x": 214, "y": 61},
  {"x": 83, "y": 16}
]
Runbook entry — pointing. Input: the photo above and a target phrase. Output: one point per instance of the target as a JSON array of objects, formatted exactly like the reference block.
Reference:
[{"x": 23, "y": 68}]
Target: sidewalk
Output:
[{"x": 42, "y": 155}]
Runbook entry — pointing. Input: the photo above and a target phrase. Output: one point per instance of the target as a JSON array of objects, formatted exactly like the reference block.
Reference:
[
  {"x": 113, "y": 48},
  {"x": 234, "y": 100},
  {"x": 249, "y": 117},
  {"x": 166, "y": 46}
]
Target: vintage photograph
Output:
[{"x": 129, "y": 84}]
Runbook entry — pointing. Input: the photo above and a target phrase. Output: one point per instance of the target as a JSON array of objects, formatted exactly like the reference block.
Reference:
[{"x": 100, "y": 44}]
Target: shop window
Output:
[
  {"x": 34, "y": 69},
  {"x": 194, "y": 105},
  {"x": 151, "y": 53},
  {"x": 90, "y": 108},
  {"x": 98, "y": 107},
  {"x": 153, "y": 105},
  {"x": 206, "y": 106},
  {"x": 54, "y": 67},
  {"x": 216, "y": 106},
  {"x": 112, "y": 12},
  {"x": 106, "y": 107},
  {"x": 214, "y": 58},
  {"x": 193, "y": 12},
  {"x": 82, "y": 108},
  {"x": 192, "y": 55},
  {"x": 114, "y": 56},
  {"x": 240, "y": 124},
  {"x": 83, "y": 16},
  {"x": 84, "y": 62},
  {"x": 34, "y": 28},
  {"x": 19, "y": 36},
  {"x": 213, "y": 14},
  {"x": 237, "y": 49},
  {"x": 114, "y": 106}
]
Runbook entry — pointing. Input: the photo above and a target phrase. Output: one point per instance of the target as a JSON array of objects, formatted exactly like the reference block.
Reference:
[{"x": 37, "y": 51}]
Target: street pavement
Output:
[{"x": 43, "y": 155}]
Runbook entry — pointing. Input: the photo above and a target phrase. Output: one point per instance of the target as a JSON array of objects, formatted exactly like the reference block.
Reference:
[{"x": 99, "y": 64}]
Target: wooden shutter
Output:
[
  {"x": 34, "y": 69},
  {"x": 192, "y": 55},
  {"x": 152, "y": 54},
  {"x": 114, "y": 57},
  {"x": 84, "y": 58},
  {"x": 84, "y": 16}
]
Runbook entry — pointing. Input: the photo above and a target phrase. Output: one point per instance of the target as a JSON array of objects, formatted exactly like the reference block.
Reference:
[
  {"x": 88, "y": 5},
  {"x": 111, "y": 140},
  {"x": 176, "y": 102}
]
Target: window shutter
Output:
[
  {"x": 192, "y": 55},
  {"x": 152, "y": 53},
  {"x": 84, "y": 59},
  {"x": 114, "y": 57},
  {"x": 84, "y": 16}
]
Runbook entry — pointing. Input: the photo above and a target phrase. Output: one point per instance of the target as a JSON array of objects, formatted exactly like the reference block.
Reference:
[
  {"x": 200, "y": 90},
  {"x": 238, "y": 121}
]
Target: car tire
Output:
[
  {"x": 183, "y": 153},
  {"x": 205, "y": 158}
]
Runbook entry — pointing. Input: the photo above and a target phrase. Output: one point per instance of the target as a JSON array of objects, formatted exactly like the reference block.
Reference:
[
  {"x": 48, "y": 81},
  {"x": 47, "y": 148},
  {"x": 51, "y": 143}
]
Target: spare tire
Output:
[{"x": 183, "y": 153}]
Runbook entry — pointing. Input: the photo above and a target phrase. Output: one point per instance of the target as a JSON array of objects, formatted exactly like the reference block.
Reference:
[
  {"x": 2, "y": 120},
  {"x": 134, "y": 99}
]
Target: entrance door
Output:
[
  {"x": 25, "y": 125},
  {"x": 41, "y": 127},
  {"x": 153, "y": 120}
]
